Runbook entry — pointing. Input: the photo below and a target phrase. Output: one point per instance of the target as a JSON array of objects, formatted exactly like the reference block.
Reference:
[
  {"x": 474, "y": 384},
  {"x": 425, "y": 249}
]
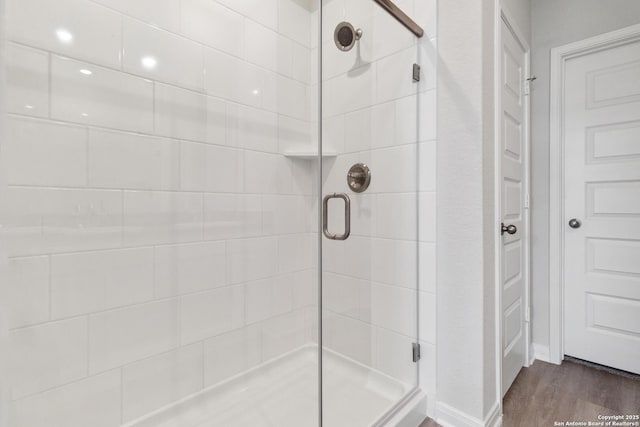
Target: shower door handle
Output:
[{"x": 347, "y": 216}]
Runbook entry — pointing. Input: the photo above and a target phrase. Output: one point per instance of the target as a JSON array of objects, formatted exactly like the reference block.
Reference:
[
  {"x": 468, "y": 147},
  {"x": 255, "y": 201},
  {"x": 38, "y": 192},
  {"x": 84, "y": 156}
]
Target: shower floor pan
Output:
[{"x": 283, "y": 393}]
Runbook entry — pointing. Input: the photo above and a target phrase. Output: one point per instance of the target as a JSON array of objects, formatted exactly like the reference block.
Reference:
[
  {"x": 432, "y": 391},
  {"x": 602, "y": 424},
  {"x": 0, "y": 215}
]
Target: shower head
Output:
[{"x": 346, "y": 36}]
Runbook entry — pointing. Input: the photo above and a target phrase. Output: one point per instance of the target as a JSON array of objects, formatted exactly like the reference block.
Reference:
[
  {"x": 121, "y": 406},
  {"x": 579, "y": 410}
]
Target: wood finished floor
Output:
[{"x": 544, "y": 393}]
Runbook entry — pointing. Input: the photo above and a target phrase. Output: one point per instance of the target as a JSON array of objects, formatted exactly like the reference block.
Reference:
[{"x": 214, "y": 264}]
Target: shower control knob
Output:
[
  {"x": 575, "y": 223},
  {"x": 509, "y": 229}
]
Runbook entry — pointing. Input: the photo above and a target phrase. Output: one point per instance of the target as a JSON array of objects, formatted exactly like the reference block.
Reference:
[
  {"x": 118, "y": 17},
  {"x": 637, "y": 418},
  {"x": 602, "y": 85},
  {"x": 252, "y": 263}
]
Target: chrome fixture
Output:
[
  {"x": 346, "y": 36},
  {"x": 347, "y": 216},
  {"x": 575, "y": 223},
  {"x": 402, "y": 17},
  {"x": 359, "y": 177},
  {"x": 510, "y": 229}
]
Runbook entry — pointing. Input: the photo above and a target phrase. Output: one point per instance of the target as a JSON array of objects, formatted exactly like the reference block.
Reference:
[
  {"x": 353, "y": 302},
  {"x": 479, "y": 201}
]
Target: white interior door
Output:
[
  {"x": 602, "y": 192},
  {"x": 514, "y": 105}
]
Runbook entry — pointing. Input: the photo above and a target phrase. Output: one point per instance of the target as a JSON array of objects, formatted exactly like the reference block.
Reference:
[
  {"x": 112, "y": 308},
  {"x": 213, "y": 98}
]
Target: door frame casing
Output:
[
  {"x": 559, "y": 57},
  {"x": 504, "y": 15}
]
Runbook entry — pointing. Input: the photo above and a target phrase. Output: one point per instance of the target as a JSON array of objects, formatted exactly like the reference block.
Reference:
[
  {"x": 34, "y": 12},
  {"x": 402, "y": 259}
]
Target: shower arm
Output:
[{"x": 402, "y": 17}]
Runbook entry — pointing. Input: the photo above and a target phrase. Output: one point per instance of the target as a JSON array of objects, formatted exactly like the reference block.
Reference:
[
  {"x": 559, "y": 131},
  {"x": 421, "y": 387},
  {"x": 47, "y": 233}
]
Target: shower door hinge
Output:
[
  {"x": 415, "y": 352},
  {"x": 416, "y": 73}
]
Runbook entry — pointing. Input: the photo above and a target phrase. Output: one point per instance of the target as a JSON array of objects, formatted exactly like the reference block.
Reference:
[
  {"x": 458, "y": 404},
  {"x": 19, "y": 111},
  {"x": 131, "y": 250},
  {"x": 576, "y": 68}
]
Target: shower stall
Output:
[{"x": 213, "y": 212}]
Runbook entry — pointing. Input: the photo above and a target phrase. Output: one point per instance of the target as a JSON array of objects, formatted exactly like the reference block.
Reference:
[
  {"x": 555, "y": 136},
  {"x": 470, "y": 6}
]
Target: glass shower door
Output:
[{"x": 370, "y": 211}]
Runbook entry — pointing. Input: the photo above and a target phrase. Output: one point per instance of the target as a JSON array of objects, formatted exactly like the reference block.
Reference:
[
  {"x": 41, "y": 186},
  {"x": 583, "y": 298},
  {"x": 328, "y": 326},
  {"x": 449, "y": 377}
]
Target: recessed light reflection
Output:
[
  {"x": 29, "y": 107},
  {"x": 84, "y": 114},
  {"x": 86, "y": 72},
  {"x": 64, "y": 35},
  {"x": 149, "y": 62},
  {"x": 255, "y": 92}
]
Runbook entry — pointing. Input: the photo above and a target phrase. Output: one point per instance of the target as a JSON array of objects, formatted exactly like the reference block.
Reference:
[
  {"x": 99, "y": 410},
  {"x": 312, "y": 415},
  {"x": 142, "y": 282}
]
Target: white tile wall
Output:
[
  {"x": 152, "y": 383},
  {"x": 232, "y": 353},
  {"x": 152, "y": 217},
  {"x": 161, "y": 13},
  {"x": 141, "y": 162},
  {"x": 48, "y": 355},
  {"x": 95, "y": 402},
  {"x": 37, "y": 150},
  {"x": 207, "y": 314},
  {"x": 122, "y": 336},
  {"x": 184, "y": 114},
  {"x": 87, "y": 282},
  {"x": 182, "y": 269},
  {"x": 28, "y": 291},
  {"x": 160, "y": 55},
  {"x": 160, "y": 241},
  {"x": 75, "y": 28},
  {"x": 103, "y": 98},
  {"x": 27, "y": 80}
]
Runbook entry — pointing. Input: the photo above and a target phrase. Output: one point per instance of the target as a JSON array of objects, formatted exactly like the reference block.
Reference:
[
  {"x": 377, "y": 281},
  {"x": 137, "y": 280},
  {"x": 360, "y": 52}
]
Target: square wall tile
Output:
[
  {"x": 152, "y": 217},
  {"x": 182, "y": 269},
  {"x": 48, "y": 356},
  {"x": 264, "y": 12},
  {"x": 132, "y": 161},
  {"x": 282, "y": 334},
  {"x": 94, "y": 281},
  {"x": 152, "y": 383},
  {"x": 232, "y": 353},
  {"x": 160, "y": 55},
  {"x": 394, "y": 308},
  {"x": 252, "y": 259},
  {"x": 215, "y": 25},
  {"x": 84, "y": 93},
  {"x": 45, "y": 154},
  {"x": 27, "y": 282},
  {"x": 184, "y": 114},
  {"x": 122, "y": 336},
  {"x": 211, "y": 313},
  {"x": 210, "y": 168},
  {"x": 41, "y": 221},
  {"x": 74, "y": 28},
  {"x": 27, "y": 81},
  {"x": 234, "y": 79},
  {"x": 252, "y": 128},
  {"x": 268, "y": 298},
  {"x": 161, "y": 13},
  {"x": 391, "y": 356},
  {"x": 94, "y": 402},
  {"x": 230, "y": 216},
  {"x": 294, "y": 21},
  {"x": 262, "y": 45}
]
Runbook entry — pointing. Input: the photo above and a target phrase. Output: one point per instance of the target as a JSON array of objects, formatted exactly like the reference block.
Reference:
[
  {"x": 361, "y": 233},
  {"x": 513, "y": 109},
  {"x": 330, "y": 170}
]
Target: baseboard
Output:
[
  {"x": 431, "y": 406},
  {"x": 541, "y": 352},
  {"x": 448, "y": 416},
  {"x": 494, "y": 419}
]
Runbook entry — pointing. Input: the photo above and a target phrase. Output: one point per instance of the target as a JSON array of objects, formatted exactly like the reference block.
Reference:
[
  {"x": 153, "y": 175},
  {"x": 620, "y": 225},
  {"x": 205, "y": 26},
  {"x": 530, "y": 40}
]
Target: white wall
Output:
[
  {"x": 555, "y": 23},
  {"x": 466, "y": 328},
  {"x": 153, "y": 225},
  {"x": 520, "y": 11}
]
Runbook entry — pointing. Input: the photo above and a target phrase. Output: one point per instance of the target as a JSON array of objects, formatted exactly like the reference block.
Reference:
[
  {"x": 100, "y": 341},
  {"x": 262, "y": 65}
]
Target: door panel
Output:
[
  {"x": 602, "y": 190},
  {"x": 513, "y": 166}
]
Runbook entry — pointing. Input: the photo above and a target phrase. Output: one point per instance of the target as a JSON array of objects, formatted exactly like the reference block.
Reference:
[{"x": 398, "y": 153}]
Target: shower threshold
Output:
[{"x": 284, "y": 392}]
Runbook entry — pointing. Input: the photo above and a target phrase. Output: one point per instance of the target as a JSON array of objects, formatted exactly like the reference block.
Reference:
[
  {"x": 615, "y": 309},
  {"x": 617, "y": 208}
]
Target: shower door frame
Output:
[{"x": 409, "y": 405}]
